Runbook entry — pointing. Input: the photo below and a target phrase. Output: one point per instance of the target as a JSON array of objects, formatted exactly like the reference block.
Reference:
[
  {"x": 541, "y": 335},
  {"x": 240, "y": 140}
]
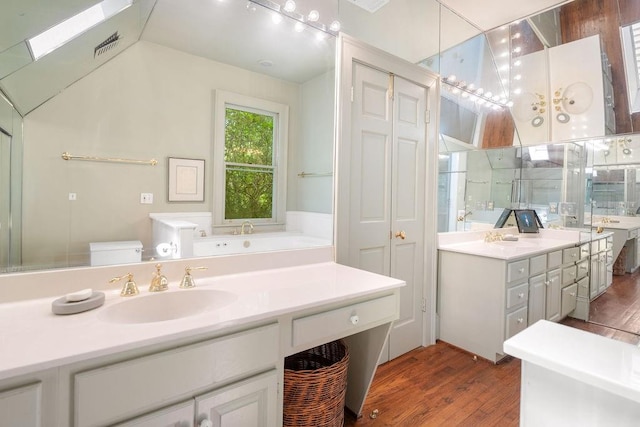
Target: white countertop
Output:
[
  {"x": 472, "y": 243},
  {"x": 608, "y": 364},
  {"x": 507, "y": 250},
  {"x": 33, "y": 338}
]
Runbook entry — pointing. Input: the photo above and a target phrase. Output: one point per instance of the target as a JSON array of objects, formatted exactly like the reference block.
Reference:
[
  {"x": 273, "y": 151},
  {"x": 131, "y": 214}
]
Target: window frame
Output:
[{"x": 222, "y": 100}]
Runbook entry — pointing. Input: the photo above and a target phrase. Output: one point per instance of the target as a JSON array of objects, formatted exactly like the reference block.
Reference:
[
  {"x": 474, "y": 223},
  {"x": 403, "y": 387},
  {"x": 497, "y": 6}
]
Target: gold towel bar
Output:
[
  {"x": 311, "y": 174},
  {"x": 67, "y": 156}
]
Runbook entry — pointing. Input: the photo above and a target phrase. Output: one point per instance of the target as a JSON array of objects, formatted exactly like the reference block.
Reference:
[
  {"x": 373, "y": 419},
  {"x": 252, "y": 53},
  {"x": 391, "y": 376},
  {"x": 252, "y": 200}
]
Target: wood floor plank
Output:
[{"x": 442, "y": 385}]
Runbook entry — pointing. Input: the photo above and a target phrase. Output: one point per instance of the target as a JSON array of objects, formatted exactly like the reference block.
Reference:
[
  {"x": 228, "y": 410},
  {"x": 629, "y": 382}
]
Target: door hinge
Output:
[
  {"x": 424, "y": 305},
  {"x": 351, "y": 93},
  {"x": 427, "y": 116}
]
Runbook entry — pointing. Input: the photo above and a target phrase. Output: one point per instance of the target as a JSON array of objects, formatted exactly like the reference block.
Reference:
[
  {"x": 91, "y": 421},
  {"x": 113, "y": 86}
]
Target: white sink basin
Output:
[{"x": 166, "y": 306}]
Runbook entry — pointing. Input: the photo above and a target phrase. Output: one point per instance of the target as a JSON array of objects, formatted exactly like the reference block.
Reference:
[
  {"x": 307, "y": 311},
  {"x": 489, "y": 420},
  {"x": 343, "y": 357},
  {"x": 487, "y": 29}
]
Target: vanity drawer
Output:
[
  {"x": 517, "y": 295},
  {"x": 610, "y": 256},
  {"x": 595, "y": 246},
  {"x": 570, "y": 255},
  {"x": 537, "y": 264},
  {"x": 554, "y": 259},
  {"x": 115, "y": 392},
  {"x": 517, "y": 270},
  {"x": 341, "y": 322},
  {"x": 569, "y": 299},
  {"x": 583, "y": 269},
  {"x": 632, "y": 234},
  {"x": 516, "y": 322},
  {"x": 583, "y": 287},
  {"x": 569, "y": 274},
  {"x": 609, "y": 242}
]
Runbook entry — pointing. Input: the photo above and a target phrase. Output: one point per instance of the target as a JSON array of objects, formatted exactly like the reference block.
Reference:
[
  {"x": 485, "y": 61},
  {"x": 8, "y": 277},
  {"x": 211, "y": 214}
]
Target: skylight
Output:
[{"x": 61, "y": 33}]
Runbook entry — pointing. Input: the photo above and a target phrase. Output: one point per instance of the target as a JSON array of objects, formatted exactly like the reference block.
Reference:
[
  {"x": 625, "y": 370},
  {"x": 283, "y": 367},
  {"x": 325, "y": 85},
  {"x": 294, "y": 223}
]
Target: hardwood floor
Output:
[{"x": 441, "y": 385}]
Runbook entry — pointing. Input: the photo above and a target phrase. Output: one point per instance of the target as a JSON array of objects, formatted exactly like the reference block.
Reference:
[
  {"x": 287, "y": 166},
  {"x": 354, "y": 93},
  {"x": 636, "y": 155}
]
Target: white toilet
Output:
[{"x": 107, "y": 253}]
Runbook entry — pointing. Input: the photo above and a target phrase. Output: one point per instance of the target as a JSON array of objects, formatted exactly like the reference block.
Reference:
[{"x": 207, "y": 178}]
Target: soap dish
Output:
[{"x": 62, "y": 306}]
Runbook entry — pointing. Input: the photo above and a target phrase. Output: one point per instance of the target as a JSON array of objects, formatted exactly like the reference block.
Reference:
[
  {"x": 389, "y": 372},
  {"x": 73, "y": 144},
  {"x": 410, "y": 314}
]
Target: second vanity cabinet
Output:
[{"x": 484, "y": 300}]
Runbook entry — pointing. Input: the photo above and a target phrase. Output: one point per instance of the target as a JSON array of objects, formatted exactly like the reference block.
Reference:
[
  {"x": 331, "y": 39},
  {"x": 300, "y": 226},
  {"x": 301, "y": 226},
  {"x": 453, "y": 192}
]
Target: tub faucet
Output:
[{"x": 250, "y": 227}]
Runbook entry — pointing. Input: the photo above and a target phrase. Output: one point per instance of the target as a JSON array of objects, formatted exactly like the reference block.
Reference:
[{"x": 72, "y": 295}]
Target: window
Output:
[
  {"x": 249, "y": 156},
  {"x": 61, "y": 33}
]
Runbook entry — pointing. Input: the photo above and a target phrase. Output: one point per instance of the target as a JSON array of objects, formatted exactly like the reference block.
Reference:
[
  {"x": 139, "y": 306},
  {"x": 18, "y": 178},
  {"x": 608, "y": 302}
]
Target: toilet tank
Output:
[{"x": 107, "y": 253}]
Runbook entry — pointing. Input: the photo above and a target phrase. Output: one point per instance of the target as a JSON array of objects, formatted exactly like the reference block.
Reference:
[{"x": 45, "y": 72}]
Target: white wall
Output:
[{"x": 148, "y": 102}]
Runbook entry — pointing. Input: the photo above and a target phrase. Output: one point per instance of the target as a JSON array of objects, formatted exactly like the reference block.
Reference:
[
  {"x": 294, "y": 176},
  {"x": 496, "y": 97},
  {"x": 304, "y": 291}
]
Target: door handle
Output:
[{"x": 401, "y": 234}]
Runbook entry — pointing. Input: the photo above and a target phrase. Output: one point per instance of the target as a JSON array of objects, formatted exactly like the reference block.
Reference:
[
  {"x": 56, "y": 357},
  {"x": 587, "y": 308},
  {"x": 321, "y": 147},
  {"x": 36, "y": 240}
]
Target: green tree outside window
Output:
[{"x": 249, "y": 164}]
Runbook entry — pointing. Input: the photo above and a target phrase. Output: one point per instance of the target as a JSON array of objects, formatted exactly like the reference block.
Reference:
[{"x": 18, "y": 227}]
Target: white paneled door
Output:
[{"x": 387, "y": 190}]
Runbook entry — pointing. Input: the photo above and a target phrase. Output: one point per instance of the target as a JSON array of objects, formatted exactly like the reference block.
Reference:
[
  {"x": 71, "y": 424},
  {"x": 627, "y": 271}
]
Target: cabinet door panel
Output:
[
  {"x": 552, "y": 310},
  {"x": 180, "y": 415},
  {"x": 537, "y": 294},
  {"x": 21, "y": 406},
  {"x": 569, "y": 299},
  {"x": 249, "y": 403}
]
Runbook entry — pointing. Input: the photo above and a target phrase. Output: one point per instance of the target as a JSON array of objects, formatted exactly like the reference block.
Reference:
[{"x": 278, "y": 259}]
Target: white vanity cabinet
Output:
[
  {"x": 249, "y": 403},
  {"x": 483, "y": 301},
  {"x": 238, "y": 362}
]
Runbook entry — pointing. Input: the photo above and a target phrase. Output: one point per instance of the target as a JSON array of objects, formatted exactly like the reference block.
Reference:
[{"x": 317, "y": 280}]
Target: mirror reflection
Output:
[
  {"x": 154, "y": 98},
  {"x": 590, "y": 119}
]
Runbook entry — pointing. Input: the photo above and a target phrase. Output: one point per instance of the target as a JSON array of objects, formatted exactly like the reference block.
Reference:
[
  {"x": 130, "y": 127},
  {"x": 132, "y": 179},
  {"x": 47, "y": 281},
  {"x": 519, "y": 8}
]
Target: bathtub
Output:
[{"x": 259, "y": 242}]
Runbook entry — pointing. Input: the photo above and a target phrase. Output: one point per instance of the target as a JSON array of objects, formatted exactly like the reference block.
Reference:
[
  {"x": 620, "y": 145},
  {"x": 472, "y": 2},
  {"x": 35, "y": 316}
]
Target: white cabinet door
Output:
[
  {"x": 594, "y": 284},
  {"x": 537, "y": 298},
  {"x": 552, "y": 312},
  {"x": 602, "y": 272},
  {"x": 180, "y": 415},
  {"x": 249, "y": 403},
  {"x": 21, "y": 407},
  {"x": 386, "y": 184}
]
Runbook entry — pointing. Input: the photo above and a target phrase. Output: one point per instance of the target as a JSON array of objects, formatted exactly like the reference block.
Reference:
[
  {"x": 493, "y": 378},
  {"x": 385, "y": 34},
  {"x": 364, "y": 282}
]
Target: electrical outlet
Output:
[
  {"x": 146, "y": 198},
  {"x": 72, "y": 196}
]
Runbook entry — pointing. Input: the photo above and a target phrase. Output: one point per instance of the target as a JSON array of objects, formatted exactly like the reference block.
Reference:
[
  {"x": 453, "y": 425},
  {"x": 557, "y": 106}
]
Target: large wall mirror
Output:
[
  {"x": 141, "y": 85},
  {"x": 570, "y": 147}
]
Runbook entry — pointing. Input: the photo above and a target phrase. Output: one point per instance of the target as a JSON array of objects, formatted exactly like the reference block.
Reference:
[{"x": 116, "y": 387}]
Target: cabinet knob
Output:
[
  {"x": 355, "y": 319},
  {"x": 573, "y": 294},
  {"x": 574, "y": 255},
  {"x": 521, "y": 270},
  {"x": 206, "y": 423},
  {"x": 520, "y": 320},
  {"x": 401, "y": 234},
  {"x": 547, "y": 282},
  {"x": 520, "y": 295}
]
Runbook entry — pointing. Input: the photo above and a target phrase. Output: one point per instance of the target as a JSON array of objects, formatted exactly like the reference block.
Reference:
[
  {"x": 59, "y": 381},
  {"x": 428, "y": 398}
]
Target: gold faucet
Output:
[
  {"x": 187, "y": 281},
  {"x": 130, "y": 288},
  {"x": 250, "y": 227},
  {"x": 159, "y": 281}
]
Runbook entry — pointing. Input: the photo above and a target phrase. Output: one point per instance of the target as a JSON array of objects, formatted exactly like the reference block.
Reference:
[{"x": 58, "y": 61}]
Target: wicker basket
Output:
[{"x": 315, "y": 382}]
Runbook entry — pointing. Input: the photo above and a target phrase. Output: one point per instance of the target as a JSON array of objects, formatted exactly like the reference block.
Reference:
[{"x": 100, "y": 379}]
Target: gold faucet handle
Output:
[
  {"x": 130, "y": 288},
  {"x": 187, "y": 281},
  {"x": 159, "y": 281}
]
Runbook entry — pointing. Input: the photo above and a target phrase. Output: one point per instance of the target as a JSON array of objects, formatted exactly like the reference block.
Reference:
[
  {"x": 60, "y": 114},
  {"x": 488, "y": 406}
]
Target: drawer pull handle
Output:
[
  {"x": 547, "y": 283},
  {"x": 354, "y": 319},
  {"x": 520, "y": 320},
  {"x": 520, "y": 295}
]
